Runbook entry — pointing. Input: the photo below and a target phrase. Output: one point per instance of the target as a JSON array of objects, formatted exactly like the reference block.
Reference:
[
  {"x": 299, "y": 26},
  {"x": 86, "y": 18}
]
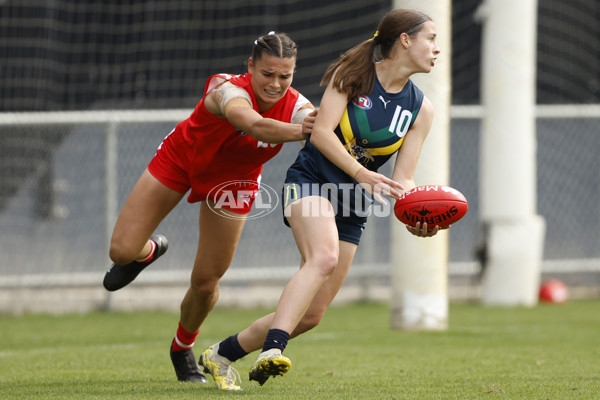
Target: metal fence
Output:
[{"x": 66, "y": 175}]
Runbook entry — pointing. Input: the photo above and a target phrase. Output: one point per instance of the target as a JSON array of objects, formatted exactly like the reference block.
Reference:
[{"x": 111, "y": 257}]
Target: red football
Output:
[
  {"x": 554, "y": 291},
  {"x": 435, "y": 204}
]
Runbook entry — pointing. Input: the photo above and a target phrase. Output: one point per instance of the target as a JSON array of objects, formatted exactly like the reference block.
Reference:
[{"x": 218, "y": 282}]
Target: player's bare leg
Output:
[
  {"x": 216, "y": 360},
  {"x": 253, "y": 337},
  {"x": 218, "y": 239},
  {"x": 312, "y": 220},
  {"x": 317, "y": 238},
  {"x": 132, "y": 248}
]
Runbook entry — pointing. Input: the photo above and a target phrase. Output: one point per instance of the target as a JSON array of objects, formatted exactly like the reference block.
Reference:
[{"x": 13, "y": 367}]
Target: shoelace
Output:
[{"x": 232, "y": 376}]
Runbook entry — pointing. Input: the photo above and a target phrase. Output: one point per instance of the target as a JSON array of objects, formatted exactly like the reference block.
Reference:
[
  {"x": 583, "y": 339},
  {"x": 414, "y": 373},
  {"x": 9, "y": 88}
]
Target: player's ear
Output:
[
  {"x": 404, "y": 39},
  {"x": 251, "y": 65}
]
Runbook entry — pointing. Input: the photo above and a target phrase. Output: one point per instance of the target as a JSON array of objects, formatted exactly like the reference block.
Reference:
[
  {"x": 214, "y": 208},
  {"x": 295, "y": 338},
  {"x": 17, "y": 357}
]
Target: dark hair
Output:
[
  {"x": 356, "y": 75},
  {"x": 274, "y": 44}
]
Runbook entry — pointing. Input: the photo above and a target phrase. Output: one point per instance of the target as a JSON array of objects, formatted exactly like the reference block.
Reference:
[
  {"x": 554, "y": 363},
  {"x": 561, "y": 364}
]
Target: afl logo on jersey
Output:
[{"x": 364, "y": 103}]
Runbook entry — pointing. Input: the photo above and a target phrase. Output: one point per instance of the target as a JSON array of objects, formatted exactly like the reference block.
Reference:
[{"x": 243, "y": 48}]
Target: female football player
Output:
[
  {"x": 369, "y": 111},
  {"x": 240, "y": 123}
]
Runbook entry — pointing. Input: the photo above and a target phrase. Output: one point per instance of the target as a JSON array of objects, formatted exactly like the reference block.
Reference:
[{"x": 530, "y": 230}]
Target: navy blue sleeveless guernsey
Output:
[{"x": 372, "y": 129}]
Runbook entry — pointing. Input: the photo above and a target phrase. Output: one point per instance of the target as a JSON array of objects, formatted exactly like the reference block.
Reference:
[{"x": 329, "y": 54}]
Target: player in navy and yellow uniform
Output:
[
  {"x": 370, "y": 111},
  {"x": 372, "y": 129}
]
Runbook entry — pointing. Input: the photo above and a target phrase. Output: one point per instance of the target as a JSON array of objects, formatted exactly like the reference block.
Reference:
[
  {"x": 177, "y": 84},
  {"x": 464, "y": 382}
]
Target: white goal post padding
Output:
[{"x": 419, "y": 266}]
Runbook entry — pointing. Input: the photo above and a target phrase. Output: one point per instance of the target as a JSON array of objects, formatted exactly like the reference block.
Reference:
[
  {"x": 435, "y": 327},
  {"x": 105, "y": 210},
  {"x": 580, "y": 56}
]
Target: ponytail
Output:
[
  {"x": 355, "y": 69},
  {"x": 355, "y": 74}
]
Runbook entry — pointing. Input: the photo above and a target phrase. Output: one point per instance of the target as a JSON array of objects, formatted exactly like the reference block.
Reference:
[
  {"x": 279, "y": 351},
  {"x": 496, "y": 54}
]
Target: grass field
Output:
[{"x": 546, "y": 352}]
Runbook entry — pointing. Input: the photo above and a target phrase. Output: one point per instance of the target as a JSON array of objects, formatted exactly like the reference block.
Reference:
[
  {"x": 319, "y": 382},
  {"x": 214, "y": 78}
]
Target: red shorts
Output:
[{"x": 170, "y": 166}]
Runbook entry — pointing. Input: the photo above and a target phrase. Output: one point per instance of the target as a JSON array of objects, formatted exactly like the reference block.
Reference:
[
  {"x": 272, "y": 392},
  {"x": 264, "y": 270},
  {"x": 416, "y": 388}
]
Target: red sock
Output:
[
  {"x": 184, "y": 340},
  {"x": 149, "y": 256}
]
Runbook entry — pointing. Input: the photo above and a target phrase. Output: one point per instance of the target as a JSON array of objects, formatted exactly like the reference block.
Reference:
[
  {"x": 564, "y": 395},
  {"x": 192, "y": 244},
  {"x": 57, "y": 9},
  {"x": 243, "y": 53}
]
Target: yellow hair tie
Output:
[{"x": 376, "y": 34}]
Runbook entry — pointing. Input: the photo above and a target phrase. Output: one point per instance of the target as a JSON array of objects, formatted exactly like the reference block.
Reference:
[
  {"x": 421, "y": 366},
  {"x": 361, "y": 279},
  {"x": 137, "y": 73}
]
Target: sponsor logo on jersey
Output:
[{"x": 385, "y": 102}]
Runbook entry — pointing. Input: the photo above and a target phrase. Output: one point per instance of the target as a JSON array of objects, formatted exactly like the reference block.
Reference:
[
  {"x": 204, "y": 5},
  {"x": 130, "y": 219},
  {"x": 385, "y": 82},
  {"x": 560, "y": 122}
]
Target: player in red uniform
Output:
[{"x": 240, "y": 123}]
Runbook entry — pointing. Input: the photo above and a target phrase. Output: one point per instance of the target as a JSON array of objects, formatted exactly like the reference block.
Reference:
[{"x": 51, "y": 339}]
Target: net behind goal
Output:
[{"x": 76, "y": 55}]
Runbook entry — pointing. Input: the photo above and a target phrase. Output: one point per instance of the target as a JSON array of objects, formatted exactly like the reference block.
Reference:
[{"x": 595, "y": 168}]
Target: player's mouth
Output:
[
  {"x": 433, "y": 62},
  {"x": 272, "y": 92}
]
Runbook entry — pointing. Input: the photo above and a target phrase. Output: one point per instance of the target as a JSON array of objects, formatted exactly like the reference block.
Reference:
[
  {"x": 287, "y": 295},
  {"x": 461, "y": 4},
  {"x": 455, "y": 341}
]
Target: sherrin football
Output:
[{"x": 435, "y": 204}]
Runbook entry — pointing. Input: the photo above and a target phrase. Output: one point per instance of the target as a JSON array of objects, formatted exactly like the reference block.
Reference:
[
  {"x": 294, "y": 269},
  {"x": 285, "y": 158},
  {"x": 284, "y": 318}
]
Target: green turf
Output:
[{"x": 546, "y": 352}]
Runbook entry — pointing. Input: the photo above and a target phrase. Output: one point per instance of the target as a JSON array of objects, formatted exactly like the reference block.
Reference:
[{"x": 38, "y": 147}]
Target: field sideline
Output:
[{"x": 546, "y": 352}]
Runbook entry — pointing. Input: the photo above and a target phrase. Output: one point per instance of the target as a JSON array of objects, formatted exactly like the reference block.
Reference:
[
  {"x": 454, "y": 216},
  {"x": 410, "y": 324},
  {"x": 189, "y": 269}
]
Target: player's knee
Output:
[
  {"x": 325, "y": 261},
  {"x": 204, "y": 288},
  {"x": 307, "y": 323},
  {"x": 121, "y": 254}
]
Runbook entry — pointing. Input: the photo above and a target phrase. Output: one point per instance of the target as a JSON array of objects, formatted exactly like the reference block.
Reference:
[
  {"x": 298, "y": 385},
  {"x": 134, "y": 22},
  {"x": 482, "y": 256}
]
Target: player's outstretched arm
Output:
[{"x": 267, "y": 130}]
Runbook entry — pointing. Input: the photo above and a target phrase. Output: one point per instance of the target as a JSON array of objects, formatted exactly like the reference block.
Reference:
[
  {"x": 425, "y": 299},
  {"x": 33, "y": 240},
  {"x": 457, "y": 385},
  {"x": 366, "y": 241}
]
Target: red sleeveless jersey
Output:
[{"x": 210, "y": 151}]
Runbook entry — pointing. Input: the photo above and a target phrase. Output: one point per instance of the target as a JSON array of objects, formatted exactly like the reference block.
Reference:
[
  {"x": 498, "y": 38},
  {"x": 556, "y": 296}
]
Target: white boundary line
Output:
[{"x": 268, "y": 274}]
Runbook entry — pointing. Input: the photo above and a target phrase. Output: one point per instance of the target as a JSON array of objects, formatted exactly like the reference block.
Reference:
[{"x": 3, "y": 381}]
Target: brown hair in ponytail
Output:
[{"x": 356, "y": 67}]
